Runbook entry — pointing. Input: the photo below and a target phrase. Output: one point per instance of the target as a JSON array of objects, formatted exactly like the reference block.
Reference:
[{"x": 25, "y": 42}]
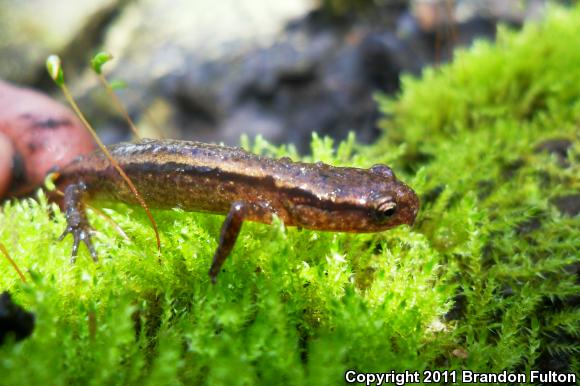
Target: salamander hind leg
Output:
[
  {"x": 239, "y": 211},
  {"x": 77, "y": 221}
]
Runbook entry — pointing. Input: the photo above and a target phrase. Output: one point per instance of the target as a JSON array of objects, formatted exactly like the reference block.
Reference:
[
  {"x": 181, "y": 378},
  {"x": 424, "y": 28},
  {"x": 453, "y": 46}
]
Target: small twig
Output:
[
  {"x": 119, "y": 105},
  {"x": 7, "y": 255}
]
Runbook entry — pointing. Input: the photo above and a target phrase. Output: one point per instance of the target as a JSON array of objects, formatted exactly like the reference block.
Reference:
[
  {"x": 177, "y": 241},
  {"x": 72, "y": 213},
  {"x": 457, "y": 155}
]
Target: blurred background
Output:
[{"x": 213, "y": 70}]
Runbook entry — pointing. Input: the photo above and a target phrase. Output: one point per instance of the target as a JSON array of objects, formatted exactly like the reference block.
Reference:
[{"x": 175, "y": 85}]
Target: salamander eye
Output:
[{"x": 385, "y": 209}]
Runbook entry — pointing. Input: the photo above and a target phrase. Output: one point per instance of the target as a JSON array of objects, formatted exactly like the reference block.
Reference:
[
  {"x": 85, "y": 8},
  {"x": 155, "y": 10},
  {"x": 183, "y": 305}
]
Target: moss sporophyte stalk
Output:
[
  {"x": 81, "y": 231},
  {"x": 484, "y": 281}
]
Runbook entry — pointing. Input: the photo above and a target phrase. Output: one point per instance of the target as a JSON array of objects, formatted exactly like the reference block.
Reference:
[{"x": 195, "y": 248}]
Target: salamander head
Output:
[
  {"x": 392, "y": 203},
  {"x": 359, "y": 200}
]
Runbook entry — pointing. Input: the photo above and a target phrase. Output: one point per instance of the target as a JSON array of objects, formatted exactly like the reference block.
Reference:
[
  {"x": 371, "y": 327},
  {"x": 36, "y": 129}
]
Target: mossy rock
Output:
[{"x": 486, "y": 280}]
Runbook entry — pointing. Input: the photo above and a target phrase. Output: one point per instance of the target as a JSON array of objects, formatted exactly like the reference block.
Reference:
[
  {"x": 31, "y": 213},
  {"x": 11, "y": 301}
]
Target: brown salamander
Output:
[{"x": 196, "y": 176}]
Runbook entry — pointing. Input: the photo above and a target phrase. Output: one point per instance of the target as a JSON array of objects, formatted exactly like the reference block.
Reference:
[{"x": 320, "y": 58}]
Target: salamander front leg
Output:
[
  {"x": 76, "y": 218},
  {"x": 239, "y": 211}
]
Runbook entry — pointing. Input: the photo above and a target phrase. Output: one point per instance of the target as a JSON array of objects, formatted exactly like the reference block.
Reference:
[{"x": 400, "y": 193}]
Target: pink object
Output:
[
  {"x": 41, "y": 132},
  {"x": 6, "y": 153}
]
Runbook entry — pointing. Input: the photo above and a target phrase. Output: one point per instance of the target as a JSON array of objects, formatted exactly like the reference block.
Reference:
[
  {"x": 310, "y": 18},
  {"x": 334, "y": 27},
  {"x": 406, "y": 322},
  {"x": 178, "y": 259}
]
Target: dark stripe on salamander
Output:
[{"x": 305, "y": 197}]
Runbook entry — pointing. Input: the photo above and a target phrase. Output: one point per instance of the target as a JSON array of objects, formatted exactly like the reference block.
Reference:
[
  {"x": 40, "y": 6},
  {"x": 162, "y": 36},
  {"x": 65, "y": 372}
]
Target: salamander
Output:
[{"x": 202, "y": 177}]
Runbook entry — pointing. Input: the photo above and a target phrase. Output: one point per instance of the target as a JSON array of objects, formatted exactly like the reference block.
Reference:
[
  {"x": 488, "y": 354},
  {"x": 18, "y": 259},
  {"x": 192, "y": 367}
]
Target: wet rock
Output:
[
  {"x": 437, "y": 14},
  {"x": 225, "y": 69},
  {"x": 32, "y": 30},
  {"x": 385, "y": 57},
  {"x": 319, "y": 74},
  {"x": 322, "y": 79}
]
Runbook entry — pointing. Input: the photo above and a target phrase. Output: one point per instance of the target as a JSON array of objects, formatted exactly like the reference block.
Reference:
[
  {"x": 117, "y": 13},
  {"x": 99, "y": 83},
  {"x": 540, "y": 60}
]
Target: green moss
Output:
[{"x": 486, "y": 270}]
